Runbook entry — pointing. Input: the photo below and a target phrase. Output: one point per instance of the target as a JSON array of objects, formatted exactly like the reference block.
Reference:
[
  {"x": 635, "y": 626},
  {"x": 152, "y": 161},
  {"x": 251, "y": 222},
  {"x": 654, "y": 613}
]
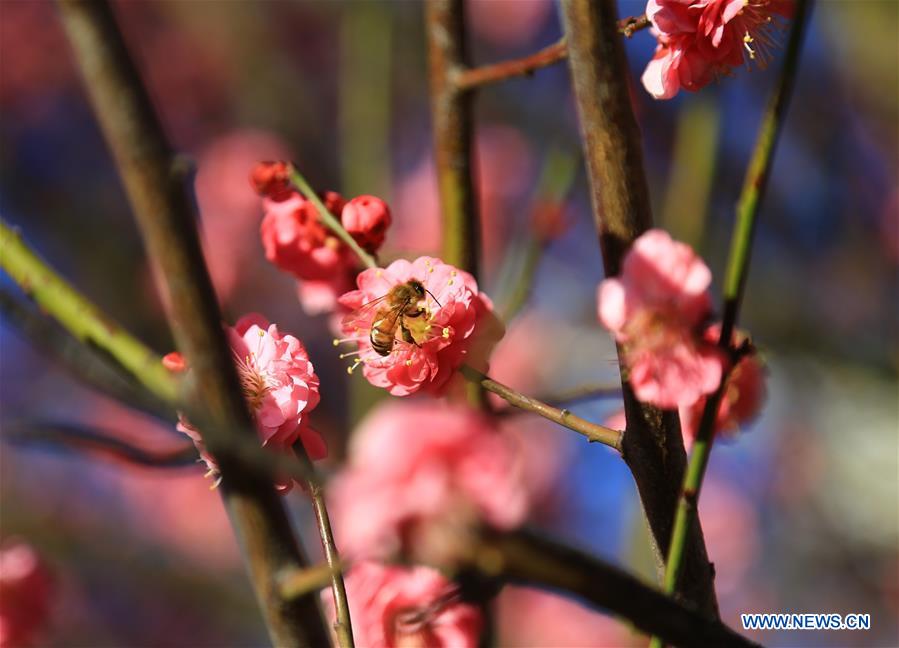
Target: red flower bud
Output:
[
  {"x": 271, "y": 179},
  {"x": 366, "y": 218}
]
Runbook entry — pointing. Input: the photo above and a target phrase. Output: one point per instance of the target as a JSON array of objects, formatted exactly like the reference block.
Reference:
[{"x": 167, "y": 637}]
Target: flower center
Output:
[{"x": 253, "y": 381}]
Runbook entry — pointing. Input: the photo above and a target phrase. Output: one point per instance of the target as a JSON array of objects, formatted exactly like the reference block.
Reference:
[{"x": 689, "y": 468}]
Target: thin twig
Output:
[
  {"x": 734, "y": 284},
  {"x": 652, "y": 446},
  {"x": 525, "y": 66},
  {"x": 343, "y": 628},
  {"x": 329, "y": 219},
  {"x": 84, "y": 439},
  {"x": 84, "y": 322},
  {"x": 89, "y": 363},
  {"x": 571, "y": 396},
  {"x": 80, "y": 317},
  {"x": 451, "y": 114},
  {"x": 594, "y": 432},
  {"x": 476, "y": 77},
  {"x": 167, "y": 223}
]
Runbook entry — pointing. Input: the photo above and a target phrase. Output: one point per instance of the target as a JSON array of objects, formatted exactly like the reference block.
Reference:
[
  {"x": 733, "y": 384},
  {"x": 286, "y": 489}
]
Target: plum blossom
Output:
[
  {"x": 296, "y": 241},
  {"x": 655, "y": 309},
  {"x": 419, "y": 466},
  {"x": 456, "y": 325},
  {"x": 700, "y": 40},
  {"x": 25, "y": 589},
  {"x": 407, "y": 607},
  {"x": 280, "y": 386},
  {"x": 366, "y": 218},
  {"x": 744, "y": 394}
]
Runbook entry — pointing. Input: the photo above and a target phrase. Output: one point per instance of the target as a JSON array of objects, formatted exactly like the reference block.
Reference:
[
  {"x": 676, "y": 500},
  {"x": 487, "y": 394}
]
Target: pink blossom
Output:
[
  {"x": 700, "y": 40},
  {"x": 280, "y": 386},
  {"x": 296, "y": 241},
  {"x": 366, "y": 218},
  {"x": 456, "y": 325},
  {"x": 229, "y": 209},
  {"x": 743, "y": 397},
  {"x": 655, "y": 309},
  {"x": 531, "y": 618},
  {"x": 25, "y": 589},
  {"x": 416, "y": 466},
  {"x": 407, "y": 607}
]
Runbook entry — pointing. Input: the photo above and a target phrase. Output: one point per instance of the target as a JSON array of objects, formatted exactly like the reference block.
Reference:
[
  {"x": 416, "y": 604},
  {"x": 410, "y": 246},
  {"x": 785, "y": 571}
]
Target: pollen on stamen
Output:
[
  {"x": 446, "y": 332},
  {"x": 408, "y": 363}
]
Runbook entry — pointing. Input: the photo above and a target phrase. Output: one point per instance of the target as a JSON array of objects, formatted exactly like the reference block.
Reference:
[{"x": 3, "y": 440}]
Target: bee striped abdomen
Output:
[{"x": 382, "y": 333}]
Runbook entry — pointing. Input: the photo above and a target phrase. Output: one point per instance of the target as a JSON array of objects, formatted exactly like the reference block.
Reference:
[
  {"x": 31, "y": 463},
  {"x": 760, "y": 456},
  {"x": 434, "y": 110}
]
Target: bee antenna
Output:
[{"x": 434, "y": 298}]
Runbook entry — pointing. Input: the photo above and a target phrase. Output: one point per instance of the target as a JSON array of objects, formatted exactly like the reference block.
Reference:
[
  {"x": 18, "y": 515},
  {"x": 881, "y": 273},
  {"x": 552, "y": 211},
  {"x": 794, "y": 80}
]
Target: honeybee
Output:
[{"x": 399, "y": 311}]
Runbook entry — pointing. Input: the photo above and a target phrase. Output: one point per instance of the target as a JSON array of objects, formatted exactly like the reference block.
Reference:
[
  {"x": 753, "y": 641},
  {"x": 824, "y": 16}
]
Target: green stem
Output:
[
  {"x": 82, "y": 318},
  {"x": 329, "y": 219},
  {"x": 734, "y": 285}
]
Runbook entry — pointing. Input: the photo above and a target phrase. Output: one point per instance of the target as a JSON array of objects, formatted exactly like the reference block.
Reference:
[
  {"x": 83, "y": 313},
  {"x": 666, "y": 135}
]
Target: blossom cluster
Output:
[
  {"x": 659, "y": 311},
  {"x": 297, "y": 241},
  {"x": 279, "y": 384},
  {"x": 421, "y": 476},
  {"x": 701, "y": 40},
  {"x": 455, "y": 325}
]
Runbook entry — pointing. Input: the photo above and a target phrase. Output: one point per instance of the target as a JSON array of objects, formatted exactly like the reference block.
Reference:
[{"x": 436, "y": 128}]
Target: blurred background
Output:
[{"x": 801, "y": 510}]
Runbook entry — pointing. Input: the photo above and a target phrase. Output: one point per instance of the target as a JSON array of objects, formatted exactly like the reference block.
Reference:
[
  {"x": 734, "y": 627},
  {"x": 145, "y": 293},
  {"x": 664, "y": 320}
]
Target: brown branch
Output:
[
  {"x": 167, "y": 223},
  {"x": 451, "y": 114},
  {"x": 91, "y": 441},
  {"x": 595, "y": 433},
  {"x": 525, "y": 558},
  {"x": 652, "y": 444},
  {"x": 526, "y": 66},
  {"x": 471, "y": 78}
]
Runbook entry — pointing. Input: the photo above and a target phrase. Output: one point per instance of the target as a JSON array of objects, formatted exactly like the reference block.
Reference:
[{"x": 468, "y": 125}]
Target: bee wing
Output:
[{"x": 361, "y": 317}]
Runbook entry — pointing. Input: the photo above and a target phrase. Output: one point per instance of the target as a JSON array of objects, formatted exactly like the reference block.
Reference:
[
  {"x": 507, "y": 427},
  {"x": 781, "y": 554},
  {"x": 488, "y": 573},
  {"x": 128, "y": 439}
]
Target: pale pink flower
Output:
[
  {"x": 655, "y": 308},
  {"x": 280, "y": 386},
  {"x": 416, "y": 465},
  {"x": 744, "y": 394},
  {"x": 296, "y": 241},
  {"x": 700, "y": 40},
  {"x": 531, "y": 618},
  {"x": 229, "y": 209},
  {"x": 407, "y": 607},
  {"x": 25, "y": 589},
  {"x": 456, "y": 319},
  {"x": 366, "y": 218}
]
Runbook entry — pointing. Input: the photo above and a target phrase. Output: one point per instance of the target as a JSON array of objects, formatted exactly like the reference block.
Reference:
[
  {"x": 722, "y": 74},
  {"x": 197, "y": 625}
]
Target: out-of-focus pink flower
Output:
[
  {"x": 506, "y": 171},
  {"x": 453, "y": 314},
  {"x": 415, "y": 466},
  {"x": 655, "y": 308},
  {"x": 366, "y": 218},
  {"x": 280, "y": 386},
  {"x": 731, "y": 526},
  {"x": 25, "y": 589},
  {"x": 508, "y": 23},
  {"x": 296, "y": 241},
  {"x": 271, "y": 180},
  {"x": 536, "y": 619},
  {"x": 743, "y": 398},
  {"x": 406, "y": 608},
  {"x": 229, "y": 208},
  {"x": 700, "y": 40}
]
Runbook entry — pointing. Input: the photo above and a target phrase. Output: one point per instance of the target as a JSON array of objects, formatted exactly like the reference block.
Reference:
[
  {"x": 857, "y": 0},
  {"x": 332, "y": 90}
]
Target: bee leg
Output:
[{"x": 418, "y": 312}]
